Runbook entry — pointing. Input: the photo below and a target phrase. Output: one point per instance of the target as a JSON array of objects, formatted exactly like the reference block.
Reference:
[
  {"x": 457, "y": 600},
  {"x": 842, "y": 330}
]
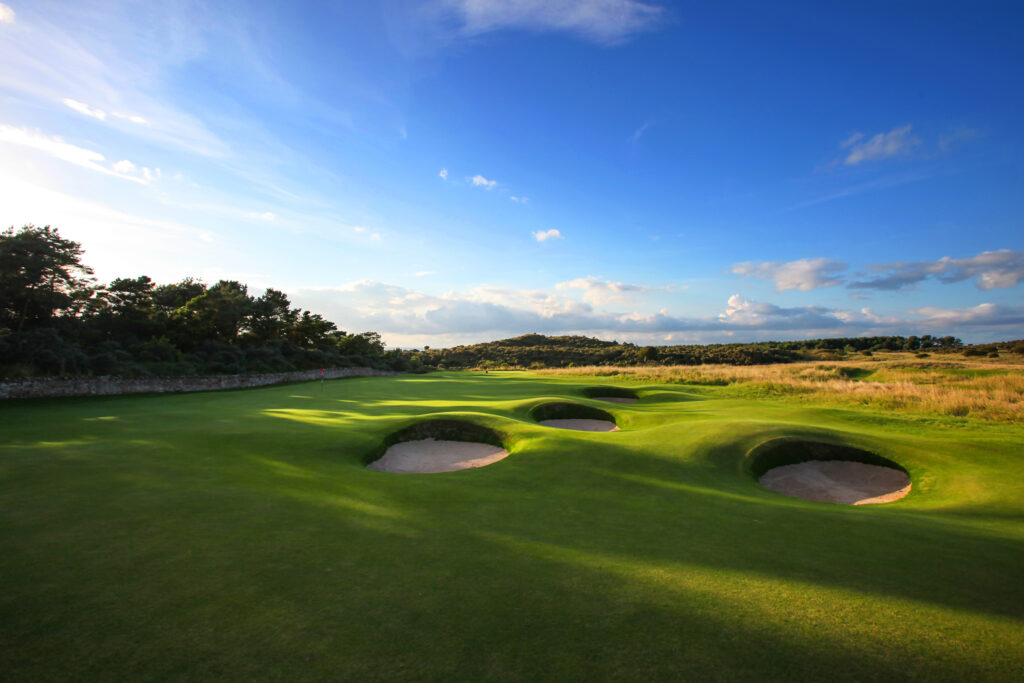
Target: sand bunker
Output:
[
  {"x": 615, "y": 399},
  {"x": 582, "y": 425},
  {"x": 838, "y": 481},
  {"x": 429, "y": 456}
]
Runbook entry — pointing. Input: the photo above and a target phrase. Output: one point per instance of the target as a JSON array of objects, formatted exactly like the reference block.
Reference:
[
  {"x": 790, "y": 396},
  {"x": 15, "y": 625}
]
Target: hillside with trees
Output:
[
  {"x": 55, "y": 319},
  {"x": 536, "y": 351}
]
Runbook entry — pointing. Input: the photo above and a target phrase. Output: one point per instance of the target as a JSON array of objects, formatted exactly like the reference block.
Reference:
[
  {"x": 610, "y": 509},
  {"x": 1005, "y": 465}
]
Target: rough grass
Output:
[
  {"x": 986, "y": 389},
  {"x": 238, "y": 536}
]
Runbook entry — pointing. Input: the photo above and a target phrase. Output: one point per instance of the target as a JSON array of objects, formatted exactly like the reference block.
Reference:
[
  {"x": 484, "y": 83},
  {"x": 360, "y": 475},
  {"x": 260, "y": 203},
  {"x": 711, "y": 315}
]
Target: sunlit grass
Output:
[
  {"x": 990, "y": 389},
  {"x": 239, "y": 536}
]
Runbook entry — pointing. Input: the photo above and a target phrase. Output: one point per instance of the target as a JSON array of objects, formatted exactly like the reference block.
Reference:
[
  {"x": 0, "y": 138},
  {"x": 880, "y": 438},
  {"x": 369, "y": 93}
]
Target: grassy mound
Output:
[
  {"x": 559, "y": 410},
  {"x": 609, "y": 391}
]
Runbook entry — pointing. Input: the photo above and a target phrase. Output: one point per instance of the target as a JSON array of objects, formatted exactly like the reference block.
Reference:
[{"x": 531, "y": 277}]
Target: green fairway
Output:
[{"x": 239, "y": 536}]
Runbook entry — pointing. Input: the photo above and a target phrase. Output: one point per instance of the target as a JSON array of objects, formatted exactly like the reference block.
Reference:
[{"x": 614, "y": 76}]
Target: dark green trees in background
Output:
[
  {"x": 41, "y": 275},
  {"x": 55, "y": 319}
]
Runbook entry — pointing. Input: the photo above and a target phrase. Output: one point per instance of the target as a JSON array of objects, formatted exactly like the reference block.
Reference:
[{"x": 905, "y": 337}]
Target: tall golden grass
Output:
[{"x": 988, "y": 389}]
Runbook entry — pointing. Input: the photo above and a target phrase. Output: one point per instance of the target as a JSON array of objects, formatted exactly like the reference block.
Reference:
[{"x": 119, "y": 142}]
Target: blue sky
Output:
[{"x": 455, "y": 171}]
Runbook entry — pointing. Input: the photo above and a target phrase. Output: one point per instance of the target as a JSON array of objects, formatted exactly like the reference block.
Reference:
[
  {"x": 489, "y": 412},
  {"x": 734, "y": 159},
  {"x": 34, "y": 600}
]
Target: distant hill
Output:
[{"x": 537, "y": 350}]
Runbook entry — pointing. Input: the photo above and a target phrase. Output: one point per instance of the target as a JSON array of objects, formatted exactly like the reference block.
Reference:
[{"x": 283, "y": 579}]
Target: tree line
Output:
[
  {"x": 535, "y": 350},
  {"x": 56, "y": 319}
]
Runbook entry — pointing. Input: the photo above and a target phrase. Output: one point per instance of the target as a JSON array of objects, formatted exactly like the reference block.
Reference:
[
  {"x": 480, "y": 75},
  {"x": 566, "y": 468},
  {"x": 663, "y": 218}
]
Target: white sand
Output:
[
  {"x": 838, "y": 481},
  {"x": 615, "y": 399},
  {"x": 582, "y": 425},
  {"x": 428, "y": 456}
]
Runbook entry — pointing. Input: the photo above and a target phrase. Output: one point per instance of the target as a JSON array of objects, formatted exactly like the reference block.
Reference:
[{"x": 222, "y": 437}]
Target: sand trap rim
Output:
[
  {"x": 564, "y": 410},
  {"x": 789, "y": 450},
  {"x": 610, "y": 391},
  {"x": 440, "y": 429}
]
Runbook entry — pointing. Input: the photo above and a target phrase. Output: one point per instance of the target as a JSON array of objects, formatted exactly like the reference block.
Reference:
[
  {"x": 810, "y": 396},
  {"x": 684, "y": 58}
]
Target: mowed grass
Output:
[{"x": 238, "y": 536}]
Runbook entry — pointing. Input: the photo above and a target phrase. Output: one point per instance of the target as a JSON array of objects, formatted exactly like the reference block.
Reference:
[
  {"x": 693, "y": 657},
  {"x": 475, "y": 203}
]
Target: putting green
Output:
[{"x": 239, "y": 536}]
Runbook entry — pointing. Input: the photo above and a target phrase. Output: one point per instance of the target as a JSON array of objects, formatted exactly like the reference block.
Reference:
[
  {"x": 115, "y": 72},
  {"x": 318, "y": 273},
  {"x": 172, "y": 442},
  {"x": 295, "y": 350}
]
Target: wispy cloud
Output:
[
  {"x": 600, "y": 21},
  {"x": 6, "y": 14},
  {"x": 987, "y": 315},
  {"x": 545, "y": 235},
  {"x": 127, "y": 169},
  {"x": 861, "y": 148},
  {"x": 989, "y": 269},
  {"x": 268, "y": 216},
  {"x": 83, "y": 58},
  {"x": 483, "y": 182},
  {"x": 425, "y": 273},
  {"x": 880, "y": 184},
  {"x": 443, "y": 174},
  {"x": 802, "y": 274},
  {"x": 85, "y": 109},
  {"x": 134, "y": 118},
  {"x": 56, "y": 147},
  {"x": 639, "y": 132},
  {"x": 520, "y": 200}
]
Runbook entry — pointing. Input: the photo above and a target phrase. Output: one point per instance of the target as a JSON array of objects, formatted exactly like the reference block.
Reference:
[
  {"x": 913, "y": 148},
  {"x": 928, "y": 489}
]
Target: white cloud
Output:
[
  {"x": 989, "y": 315},
  {"x": 358, "y": 228},
  {"x": 545, "y": 235},
  {"x": 989, "y": 269},
  {"x": 134, "y": 118},
  {"x": 601, "y": 21},
  {"x": 85, "y": 109},
  {"x": 425, "y": 273},
  {"x": 128, "y": 170},
  {"x": 520, "y": 200},
  {"x": 57, "y": 148},
  {"x": 481, "y": 181},
  {"x": 485, "y": 312},
  {"x": 268, "y": 216},
  {"x": 6, "y": 14},
  {"x": 802, "y": 274},
  {"x": 124, "y": 166},
  {"x": 898, "y": 141},
  {"x": 600, "y": 292},
  {"x": 375, "y": 236},
  {"x": 443, "y": 174}
]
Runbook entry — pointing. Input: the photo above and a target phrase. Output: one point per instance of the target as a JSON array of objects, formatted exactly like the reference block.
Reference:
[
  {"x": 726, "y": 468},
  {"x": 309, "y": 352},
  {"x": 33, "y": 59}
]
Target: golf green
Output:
[{"x": 239, "y": 535}]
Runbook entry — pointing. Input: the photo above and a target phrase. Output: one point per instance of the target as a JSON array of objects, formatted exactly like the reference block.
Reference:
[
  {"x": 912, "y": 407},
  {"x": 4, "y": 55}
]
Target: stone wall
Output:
[{"x": 48, "y": 387}]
